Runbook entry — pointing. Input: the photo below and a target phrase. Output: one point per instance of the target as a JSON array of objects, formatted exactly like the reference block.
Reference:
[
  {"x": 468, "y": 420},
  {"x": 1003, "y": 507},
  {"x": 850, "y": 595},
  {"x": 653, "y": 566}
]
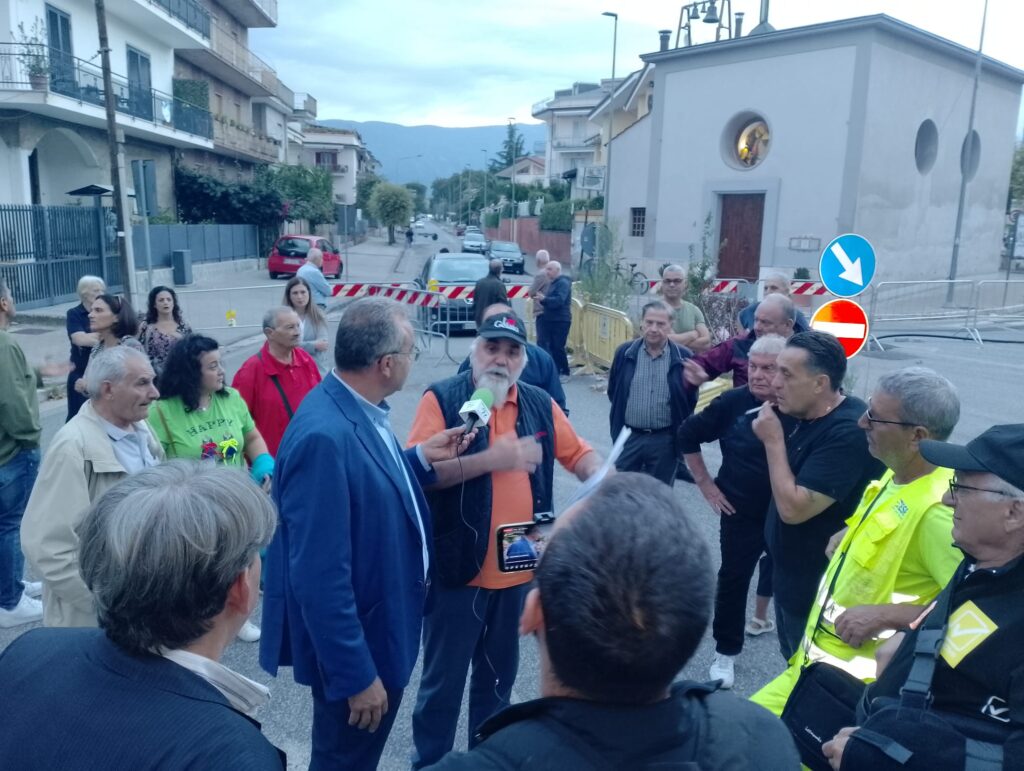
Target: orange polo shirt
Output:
[{"x": 511, "y": 496}]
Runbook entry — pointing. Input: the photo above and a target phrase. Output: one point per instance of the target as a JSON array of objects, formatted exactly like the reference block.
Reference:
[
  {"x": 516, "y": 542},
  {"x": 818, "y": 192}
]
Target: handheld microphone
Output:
[{"x": 477, "y": 411}]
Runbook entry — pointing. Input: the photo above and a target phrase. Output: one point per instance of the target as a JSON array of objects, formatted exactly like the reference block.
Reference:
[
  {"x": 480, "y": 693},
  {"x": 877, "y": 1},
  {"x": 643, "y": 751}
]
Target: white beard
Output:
[{"x": 498, "y": 383}]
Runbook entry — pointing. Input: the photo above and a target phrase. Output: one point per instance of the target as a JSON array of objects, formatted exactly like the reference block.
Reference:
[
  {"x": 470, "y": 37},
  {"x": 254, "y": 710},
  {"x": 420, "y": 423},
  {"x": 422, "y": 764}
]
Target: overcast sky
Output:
[{"x": 462, "y": 63}]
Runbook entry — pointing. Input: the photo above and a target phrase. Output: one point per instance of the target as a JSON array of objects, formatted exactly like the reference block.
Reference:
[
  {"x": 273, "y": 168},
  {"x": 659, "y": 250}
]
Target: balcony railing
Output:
[
  {"x": 228, "y": 47},
  {"x": 305, "y": 103},
  {"x": 333, "y": 168},
  {"x": 242, "y": 140},
  {"x": 189, "y": 13},
  {"x": 41, "y": 68}
]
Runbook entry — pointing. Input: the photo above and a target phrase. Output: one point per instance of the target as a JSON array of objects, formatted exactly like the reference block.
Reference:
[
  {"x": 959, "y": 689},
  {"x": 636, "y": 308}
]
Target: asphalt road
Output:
[{"x": 988, "y": 378}]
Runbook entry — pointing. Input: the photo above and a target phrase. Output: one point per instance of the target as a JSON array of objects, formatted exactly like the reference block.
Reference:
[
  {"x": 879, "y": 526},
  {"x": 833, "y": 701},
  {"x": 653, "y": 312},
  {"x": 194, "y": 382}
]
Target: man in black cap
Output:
[
  {"x": 505, "y": 477},
  {"x": 979, "y": 672}
]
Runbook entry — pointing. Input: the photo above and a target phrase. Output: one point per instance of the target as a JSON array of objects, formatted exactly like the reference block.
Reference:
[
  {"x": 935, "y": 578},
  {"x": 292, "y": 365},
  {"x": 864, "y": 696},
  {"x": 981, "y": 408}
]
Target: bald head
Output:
[
  {"x": 776, "y": 283},
  {"x": 494, "y": 266},
  {"x": 543, "y": 258},
  {"x": 775, "y": 315}
]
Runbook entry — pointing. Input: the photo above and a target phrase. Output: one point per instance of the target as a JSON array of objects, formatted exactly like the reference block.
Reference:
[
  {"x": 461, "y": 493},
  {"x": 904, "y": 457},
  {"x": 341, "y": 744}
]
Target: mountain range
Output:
[{"x": 425, "y": 153}]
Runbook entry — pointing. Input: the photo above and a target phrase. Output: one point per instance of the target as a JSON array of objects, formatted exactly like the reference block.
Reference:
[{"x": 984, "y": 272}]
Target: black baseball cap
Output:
[
  {"x": 999, "y": 451},
  {"x": 505, "y": 325}
]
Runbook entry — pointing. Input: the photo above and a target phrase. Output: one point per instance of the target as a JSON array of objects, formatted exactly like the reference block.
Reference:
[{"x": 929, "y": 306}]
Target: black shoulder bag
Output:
[
  {"x": 277, "y": 383},
  {"x": 908, "y": 733}
]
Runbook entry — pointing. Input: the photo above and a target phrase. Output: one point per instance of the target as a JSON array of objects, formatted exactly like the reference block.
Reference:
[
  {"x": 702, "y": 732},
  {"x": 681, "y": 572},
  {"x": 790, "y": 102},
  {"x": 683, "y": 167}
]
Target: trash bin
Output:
[{"x": 181, "y": 264}]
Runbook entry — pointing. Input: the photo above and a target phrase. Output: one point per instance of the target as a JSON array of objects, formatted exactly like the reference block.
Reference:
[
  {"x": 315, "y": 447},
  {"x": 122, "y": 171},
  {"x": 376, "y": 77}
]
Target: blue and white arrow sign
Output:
[{"x": 847, "y": 265}]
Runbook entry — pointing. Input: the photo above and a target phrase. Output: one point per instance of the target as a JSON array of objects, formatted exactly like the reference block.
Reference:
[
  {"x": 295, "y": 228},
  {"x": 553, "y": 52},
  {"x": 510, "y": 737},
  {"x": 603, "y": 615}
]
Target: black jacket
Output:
[
  {"x": 488, "y": 291},
  {"x": 73, "y": 699},
  {"x": 620, "y": 379},
  {"x": 695, "y": 724}
]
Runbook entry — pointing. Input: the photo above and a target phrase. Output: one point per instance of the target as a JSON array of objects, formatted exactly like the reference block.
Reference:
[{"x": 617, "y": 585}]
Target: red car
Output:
[{"x": 289, "y": 253}]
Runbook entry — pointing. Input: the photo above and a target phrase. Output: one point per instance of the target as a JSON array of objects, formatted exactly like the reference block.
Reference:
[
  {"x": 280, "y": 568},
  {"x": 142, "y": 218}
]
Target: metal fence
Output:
[
  {"x": 998, "y": 301},
  {"x": 44, "y": 250},
  {"x": 208, "y": 243}
]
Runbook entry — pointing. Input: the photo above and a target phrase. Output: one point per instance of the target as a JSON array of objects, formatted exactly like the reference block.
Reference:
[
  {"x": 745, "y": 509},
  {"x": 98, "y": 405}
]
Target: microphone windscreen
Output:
[{"x": 485, "y": 395}]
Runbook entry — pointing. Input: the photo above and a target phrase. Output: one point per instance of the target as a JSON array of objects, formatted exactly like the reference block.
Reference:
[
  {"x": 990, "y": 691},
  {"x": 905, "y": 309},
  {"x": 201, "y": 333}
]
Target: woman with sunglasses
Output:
[
  {"x": 163, "y": 326},
  {"x": 314, "y": 325},
  {"x": 199, "y": 417}
]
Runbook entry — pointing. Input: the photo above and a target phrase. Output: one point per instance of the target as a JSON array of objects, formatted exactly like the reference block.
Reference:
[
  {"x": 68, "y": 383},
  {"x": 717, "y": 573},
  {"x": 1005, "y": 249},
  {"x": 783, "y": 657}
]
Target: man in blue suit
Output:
[{"x": 349, "y": 567}]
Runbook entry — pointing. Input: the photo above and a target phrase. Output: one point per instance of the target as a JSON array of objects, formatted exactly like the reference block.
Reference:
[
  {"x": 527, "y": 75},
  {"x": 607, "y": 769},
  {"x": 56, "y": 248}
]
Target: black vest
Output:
[{"x": 462, "y": 513}]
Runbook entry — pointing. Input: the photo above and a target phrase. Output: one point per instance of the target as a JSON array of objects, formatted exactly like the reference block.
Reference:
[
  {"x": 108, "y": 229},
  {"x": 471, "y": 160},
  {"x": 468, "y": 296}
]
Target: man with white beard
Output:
[{"x": 504, "y": 477}]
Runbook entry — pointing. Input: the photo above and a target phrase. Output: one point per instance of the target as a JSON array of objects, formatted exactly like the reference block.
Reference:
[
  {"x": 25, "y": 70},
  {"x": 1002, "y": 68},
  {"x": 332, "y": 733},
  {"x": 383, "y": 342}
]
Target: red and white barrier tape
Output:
[{"x": 807, "y": 287}]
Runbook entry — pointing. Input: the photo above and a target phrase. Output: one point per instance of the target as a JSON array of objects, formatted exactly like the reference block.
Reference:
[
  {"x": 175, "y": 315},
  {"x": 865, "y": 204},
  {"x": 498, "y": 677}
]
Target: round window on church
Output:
[
  {"x": 970, "y": 155},
  {"x": 752, "y": 143},
  {"x": 926, "y": 146}
]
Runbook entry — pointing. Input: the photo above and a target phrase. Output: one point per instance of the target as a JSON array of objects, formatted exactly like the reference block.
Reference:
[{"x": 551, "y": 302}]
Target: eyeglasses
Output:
[
  {"x": 954, "y": 486},
  {"x": 872, "y": 419},
  {"x": 416, "y": 351}
]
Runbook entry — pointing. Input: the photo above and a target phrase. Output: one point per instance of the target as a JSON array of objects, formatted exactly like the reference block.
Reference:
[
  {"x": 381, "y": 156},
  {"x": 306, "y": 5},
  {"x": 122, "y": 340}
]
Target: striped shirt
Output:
[{"x": 649, "y": 403}]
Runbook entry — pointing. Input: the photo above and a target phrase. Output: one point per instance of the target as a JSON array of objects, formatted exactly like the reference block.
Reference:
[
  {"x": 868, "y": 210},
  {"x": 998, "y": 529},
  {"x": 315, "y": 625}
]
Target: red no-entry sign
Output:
[{"x": 846, "y": 320}]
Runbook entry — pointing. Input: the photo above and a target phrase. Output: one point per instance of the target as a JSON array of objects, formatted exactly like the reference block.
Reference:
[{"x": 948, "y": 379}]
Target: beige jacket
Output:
[{"x": 77, "y": 468}]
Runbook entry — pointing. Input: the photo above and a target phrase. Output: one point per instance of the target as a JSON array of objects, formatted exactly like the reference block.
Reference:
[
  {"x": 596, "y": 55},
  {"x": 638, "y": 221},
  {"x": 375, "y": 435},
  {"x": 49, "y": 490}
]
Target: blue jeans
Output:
[
  {"x": 468, "y": 624},
  {"x": 16, "y": 479}
]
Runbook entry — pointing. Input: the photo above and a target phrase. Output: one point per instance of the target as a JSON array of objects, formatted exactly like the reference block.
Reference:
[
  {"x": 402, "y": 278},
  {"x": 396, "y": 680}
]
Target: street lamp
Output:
[
  {"x": 512, "y": 139},
  {"x": 483, "y": 225},
  {"x": 615, "y": 37},
  {"x": 970, "y": 148},
  {"x": 465, "y": 168}
]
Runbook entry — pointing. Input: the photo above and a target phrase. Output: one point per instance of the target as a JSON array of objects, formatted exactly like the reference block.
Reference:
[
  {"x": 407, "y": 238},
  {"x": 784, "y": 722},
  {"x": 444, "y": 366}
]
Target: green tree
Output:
[
  {"x": 419, "y": 196},
  {"x": 511, "y": 148},
  {"x": 307, "y": 192},
  {"x": 391, "y": 205}
]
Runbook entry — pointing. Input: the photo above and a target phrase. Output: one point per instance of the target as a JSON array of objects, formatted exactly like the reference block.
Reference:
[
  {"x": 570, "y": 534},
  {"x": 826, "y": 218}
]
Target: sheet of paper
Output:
[{"x": 587, "y": 487}]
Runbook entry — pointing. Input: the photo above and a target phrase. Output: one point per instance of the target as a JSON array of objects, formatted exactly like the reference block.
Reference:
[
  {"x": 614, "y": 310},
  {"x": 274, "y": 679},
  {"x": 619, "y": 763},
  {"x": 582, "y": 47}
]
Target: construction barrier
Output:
[
  {"x": 603, "y": 330},
  {"x": 998, "y": 301},
  {"x": 575, "y": 344},
  {"x": 711, "y": 390},
  {"x": 895, "y": 303}
]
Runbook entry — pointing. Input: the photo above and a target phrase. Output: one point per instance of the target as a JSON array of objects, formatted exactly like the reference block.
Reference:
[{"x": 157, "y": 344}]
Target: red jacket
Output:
[{"x": 255, "y": 382}]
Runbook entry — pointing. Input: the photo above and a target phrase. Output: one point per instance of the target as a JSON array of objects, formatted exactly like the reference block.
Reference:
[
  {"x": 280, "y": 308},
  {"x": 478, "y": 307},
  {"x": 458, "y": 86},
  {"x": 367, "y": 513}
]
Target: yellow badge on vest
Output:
[{"x": 967, "y": 629}]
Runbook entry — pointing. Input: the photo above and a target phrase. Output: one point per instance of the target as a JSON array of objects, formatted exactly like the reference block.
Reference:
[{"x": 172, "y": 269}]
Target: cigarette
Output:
[{"x": 752, "y": 411}]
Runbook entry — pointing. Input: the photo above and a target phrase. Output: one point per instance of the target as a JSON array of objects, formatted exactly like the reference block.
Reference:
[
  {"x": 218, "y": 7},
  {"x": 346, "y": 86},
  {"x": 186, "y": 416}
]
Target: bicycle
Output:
[{"x": 635, "y": 279}]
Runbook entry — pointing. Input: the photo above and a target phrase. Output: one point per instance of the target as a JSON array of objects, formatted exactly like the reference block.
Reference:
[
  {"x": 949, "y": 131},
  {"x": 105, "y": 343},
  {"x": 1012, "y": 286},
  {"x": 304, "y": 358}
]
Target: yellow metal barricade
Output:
[
  {"x": 603, "y": 330},
  {"x": 712, "y": 389}
]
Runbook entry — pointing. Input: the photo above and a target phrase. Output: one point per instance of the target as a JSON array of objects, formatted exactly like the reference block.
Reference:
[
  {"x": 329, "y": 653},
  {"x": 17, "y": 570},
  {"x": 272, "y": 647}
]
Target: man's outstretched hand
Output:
[{"x": 447, "y": 444}]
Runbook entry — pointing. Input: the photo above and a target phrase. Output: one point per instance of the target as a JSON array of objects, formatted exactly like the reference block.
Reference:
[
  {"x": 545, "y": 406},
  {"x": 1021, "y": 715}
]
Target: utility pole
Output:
[
  {"x": 969, "y": 148},
  {"x": 512, "y": 139},
  {"x": 115, "y": 145}
]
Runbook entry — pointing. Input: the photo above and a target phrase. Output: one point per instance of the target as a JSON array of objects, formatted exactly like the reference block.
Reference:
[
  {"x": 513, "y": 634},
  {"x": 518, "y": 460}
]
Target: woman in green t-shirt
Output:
[{"x": 198, "y": 416}]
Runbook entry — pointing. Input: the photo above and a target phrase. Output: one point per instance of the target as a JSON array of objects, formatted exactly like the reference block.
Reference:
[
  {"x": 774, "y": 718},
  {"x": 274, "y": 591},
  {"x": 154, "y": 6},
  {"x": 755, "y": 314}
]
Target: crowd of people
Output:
[{"x": 171, "y": 504}]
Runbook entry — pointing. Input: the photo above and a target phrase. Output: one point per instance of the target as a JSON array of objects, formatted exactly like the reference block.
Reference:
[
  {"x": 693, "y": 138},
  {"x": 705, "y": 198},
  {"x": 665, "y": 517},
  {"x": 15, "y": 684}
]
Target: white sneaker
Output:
[
  {"x": 249, "y": 632},
  {"x": 33, "y": 588},
  {"x": 722, "y": 669},
  {"x": 25, "y": 612}
]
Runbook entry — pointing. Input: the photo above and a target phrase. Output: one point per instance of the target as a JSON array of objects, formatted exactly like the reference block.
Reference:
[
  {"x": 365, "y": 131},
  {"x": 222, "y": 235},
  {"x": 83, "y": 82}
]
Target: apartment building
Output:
[
  {"x": 52, "y": 101},
  {"x": 342, "y": 153}
]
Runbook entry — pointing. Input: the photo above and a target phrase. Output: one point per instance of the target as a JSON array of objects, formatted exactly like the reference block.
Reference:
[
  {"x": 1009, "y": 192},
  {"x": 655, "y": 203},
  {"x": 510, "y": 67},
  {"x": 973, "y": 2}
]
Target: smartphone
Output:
[{"x": 520, "y": 545}]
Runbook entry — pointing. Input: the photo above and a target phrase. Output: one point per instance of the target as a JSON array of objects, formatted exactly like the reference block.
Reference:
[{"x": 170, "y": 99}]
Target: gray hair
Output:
[
  {"x": 557, "y": 264},
  {"x": 783, "y": 302},
  {"x": 658, "y": 305},
  {"x": 926, "y": 399},
  {"x": 770, "y": 345},
  {"x": 673, "y": 268},
  {"x": 367, "y": 330},
  {"x": 782, "y": 278},
  {"x": 542, "y": 256},
  {"x": 160, "y": 550},
  {"x": 271, "y": 316},
  {"x": 91, "y": 282},
  {"x": 110, "y": 366},
  {"x": 315, "y": 252}
]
